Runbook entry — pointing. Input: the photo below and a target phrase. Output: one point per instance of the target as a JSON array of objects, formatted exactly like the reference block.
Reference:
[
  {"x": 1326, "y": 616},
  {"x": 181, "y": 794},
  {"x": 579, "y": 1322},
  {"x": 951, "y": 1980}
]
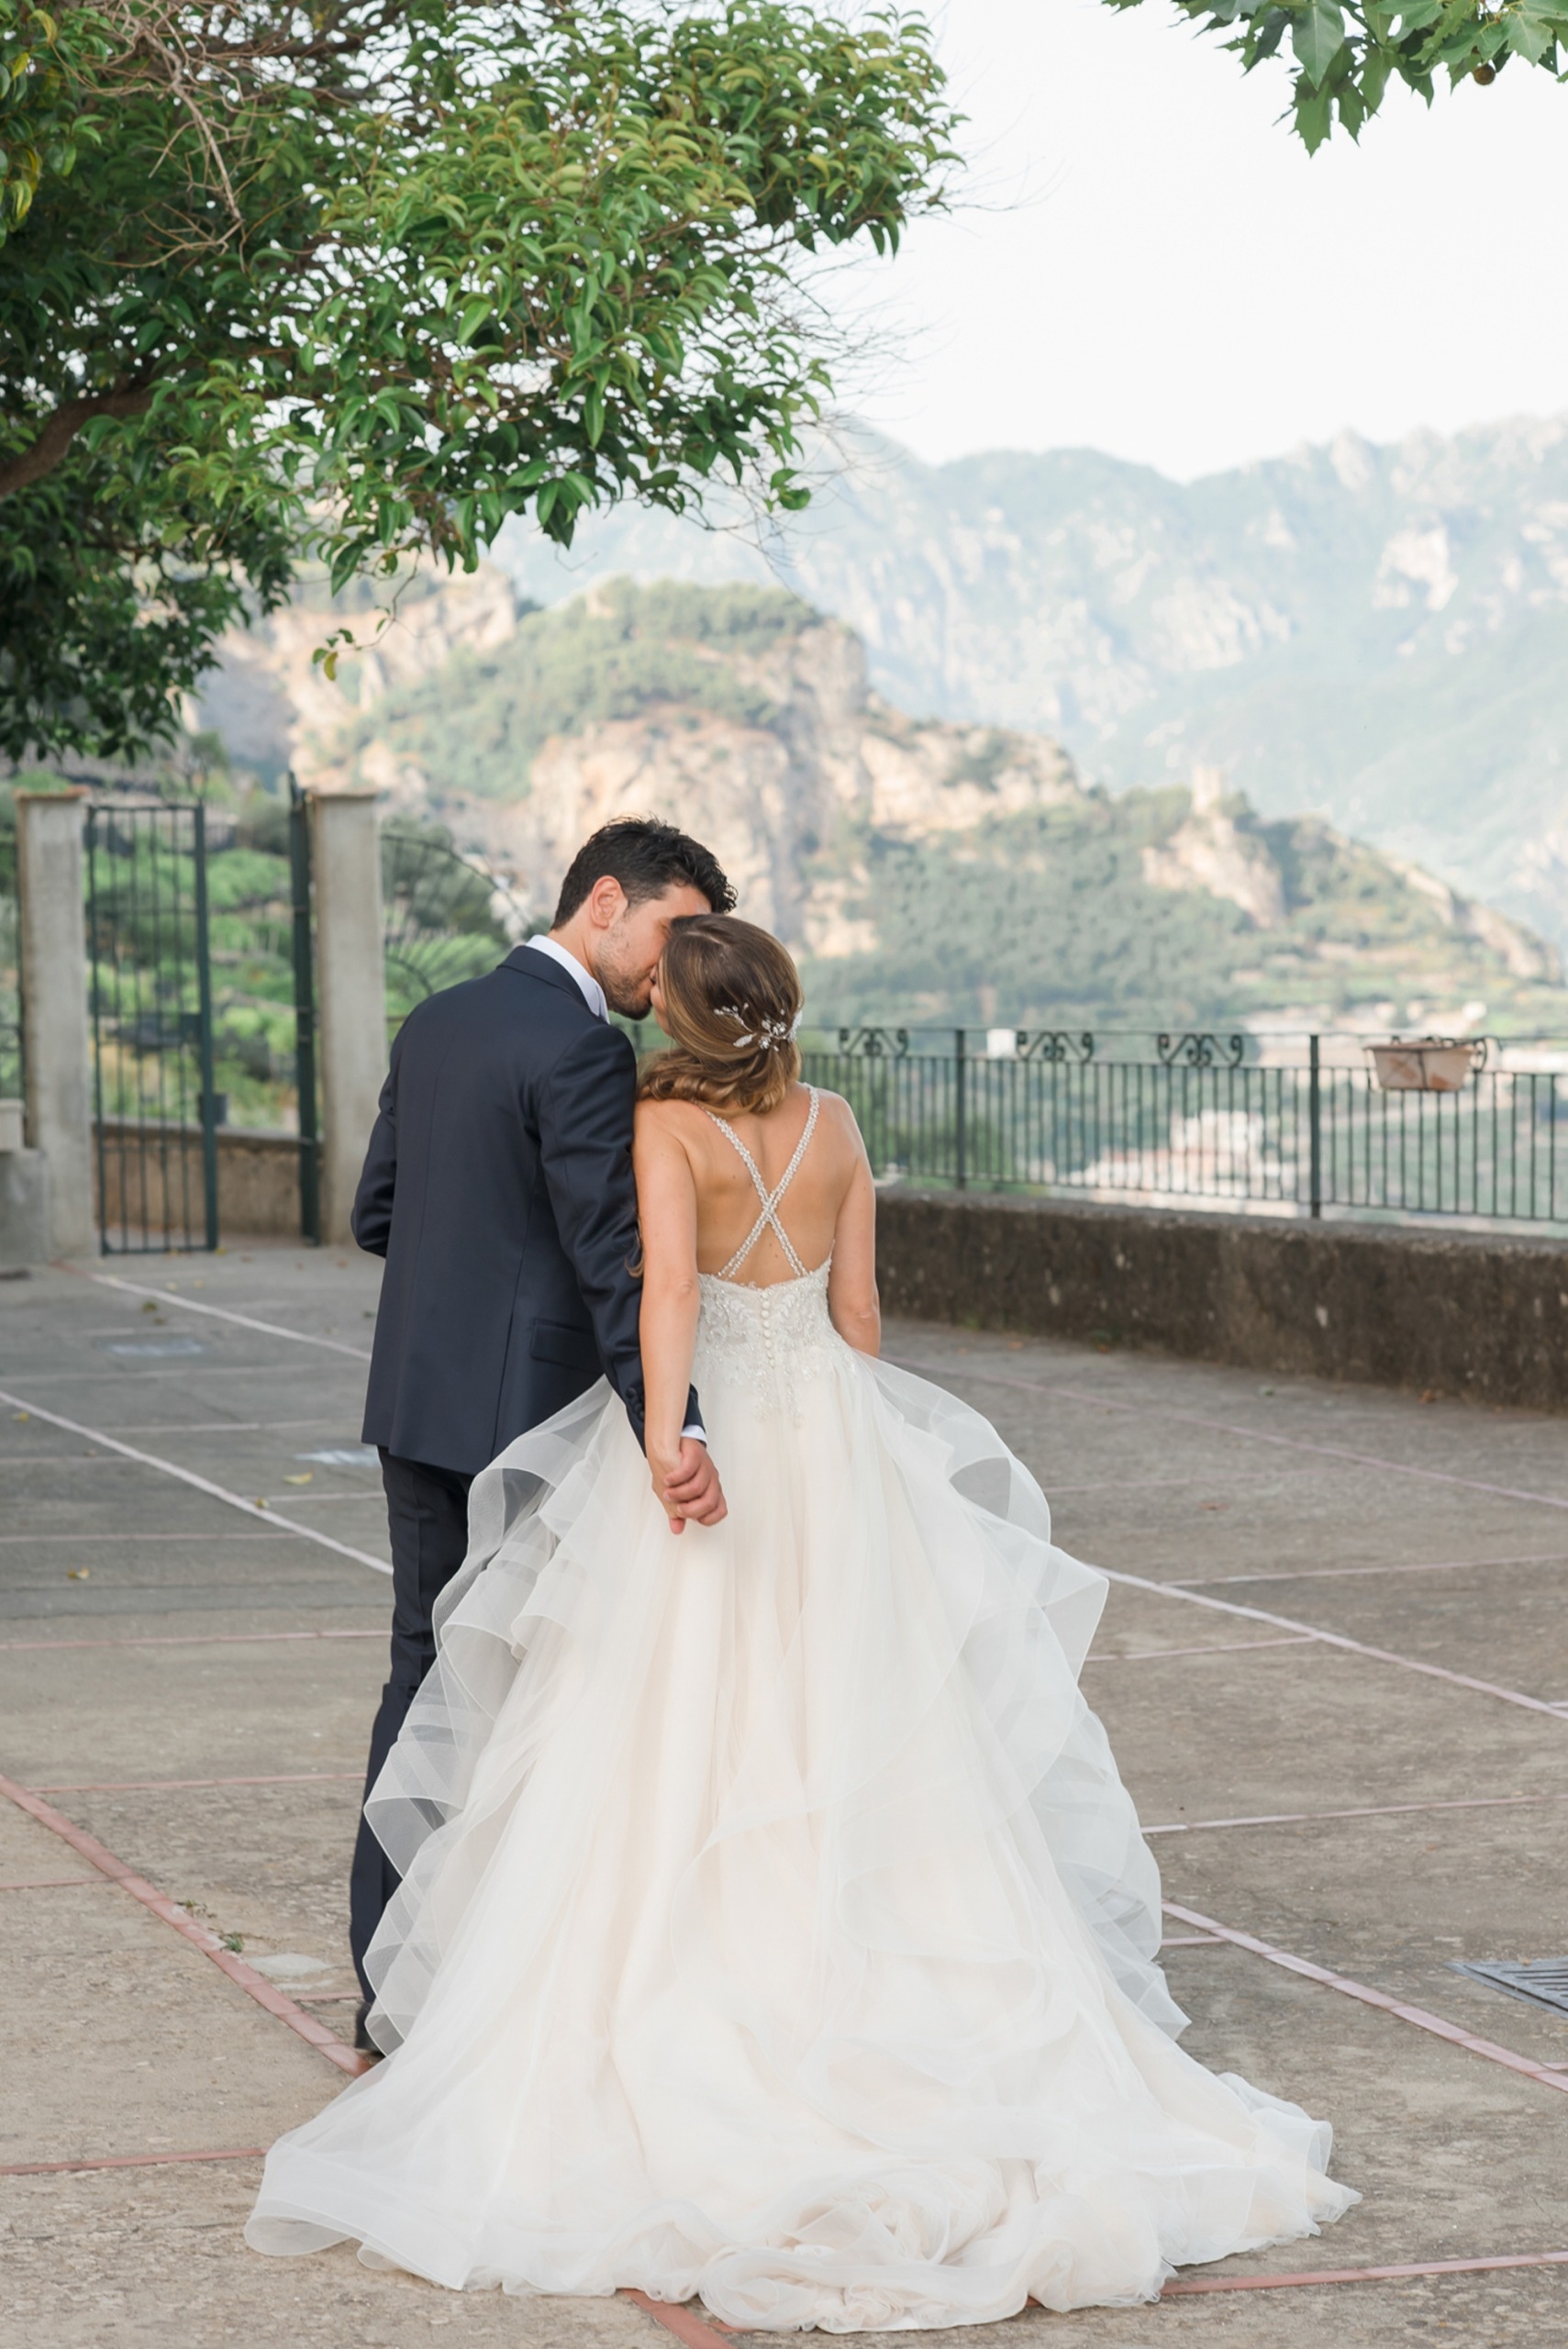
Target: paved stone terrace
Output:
[{"x": 191, "y": 1685}]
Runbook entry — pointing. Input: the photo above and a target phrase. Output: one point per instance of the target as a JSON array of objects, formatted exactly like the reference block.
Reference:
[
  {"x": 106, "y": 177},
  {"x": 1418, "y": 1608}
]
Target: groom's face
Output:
[{"x": 630, "y": 947}]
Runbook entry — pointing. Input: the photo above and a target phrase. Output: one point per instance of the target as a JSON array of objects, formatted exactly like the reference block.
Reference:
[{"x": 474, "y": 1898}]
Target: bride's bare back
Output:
[
  {"x": 699, "y": 1206},
  {"x": 728, "y": 1205}
]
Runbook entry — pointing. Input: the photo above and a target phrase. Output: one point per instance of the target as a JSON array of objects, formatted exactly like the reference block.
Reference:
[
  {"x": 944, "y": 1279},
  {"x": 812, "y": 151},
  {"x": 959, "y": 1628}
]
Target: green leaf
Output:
[
  {"x": 472, "y": 318},
  {"x": 1317, "y": 35},
  {"x": 1312, "y": 115},
  {"x": 1532, "y": 34},
  {"x": 1379, "y": 64}
]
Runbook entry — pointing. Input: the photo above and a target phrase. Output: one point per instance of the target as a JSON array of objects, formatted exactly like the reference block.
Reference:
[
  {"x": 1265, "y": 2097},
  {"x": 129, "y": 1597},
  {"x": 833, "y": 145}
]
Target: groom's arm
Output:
[
  {"x": 585, "y": 1128},
  {"x": 370, "y": 1219}
]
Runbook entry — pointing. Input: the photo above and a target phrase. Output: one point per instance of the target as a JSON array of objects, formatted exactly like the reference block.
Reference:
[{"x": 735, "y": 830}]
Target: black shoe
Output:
[{"x": 362, "y": 2039}]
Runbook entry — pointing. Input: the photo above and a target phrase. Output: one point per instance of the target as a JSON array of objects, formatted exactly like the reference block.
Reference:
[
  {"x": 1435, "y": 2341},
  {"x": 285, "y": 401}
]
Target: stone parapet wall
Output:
[
  {"x": 257, "y": 1179},
  {"x": 1464, "y": 1314},
  {"x": 24, "y": 1209}
]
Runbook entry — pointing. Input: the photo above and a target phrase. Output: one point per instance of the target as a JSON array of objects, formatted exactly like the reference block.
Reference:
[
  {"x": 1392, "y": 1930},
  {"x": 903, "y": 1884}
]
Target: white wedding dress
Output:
[{"x": 776, "y": 1927}]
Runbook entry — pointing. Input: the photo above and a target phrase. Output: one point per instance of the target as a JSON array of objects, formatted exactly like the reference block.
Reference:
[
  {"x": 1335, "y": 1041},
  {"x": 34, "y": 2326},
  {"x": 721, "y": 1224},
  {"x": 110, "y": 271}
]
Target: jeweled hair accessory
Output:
[{"x": 774, "y": 1033}]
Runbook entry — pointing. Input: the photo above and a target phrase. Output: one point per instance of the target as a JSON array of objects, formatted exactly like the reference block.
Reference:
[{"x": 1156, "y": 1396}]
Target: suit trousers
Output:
[{"x": 427, "y": 1513}]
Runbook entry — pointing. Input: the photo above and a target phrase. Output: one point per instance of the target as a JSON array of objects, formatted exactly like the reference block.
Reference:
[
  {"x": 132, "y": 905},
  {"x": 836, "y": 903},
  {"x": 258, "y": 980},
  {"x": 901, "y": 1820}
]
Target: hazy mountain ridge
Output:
[
  {"x": 1379, "y": 634},
  {"x": 920, "y": 868}
]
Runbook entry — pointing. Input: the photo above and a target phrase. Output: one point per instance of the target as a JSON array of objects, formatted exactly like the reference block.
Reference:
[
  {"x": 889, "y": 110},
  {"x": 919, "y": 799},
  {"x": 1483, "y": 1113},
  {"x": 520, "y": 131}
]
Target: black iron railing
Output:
[
  {"x": 1288, "y": 1124},
  {"x": 155, "y": 1108},
  {"x": 10, "y": 962},
  {"x": 447, "y": 919}
]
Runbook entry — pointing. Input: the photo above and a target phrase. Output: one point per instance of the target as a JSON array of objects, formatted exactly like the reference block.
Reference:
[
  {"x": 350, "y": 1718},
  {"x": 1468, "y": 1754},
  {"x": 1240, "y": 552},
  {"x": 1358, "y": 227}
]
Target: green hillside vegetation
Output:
[
  {"x": 478, "y": 723},
  {"x": 1037, "y": 916},
  {"x": 1377, "y": 634},
  {"x": 1459, "y": 762},
  {"x": 1046, "y": 918}
]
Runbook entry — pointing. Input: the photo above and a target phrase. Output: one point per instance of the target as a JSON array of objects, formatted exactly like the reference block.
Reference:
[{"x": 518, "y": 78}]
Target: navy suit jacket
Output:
[{"x": 498, "y": 1187}]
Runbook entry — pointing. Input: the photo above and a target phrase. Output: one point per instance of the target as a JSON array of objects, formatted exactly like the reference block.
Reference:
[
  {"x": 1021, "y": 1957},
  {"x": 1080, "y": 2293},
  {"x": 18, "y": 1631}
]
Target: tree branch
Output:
[{"x": 42, "y": 454}]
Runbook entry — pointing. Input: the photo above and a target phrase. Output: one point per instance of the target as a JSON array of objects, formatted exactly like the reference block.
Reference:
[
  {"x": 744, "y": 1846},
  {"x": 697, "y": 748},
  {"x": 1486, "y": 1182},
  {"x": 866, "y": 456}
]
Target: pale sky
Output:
[{"x": 1149, "y": 263}]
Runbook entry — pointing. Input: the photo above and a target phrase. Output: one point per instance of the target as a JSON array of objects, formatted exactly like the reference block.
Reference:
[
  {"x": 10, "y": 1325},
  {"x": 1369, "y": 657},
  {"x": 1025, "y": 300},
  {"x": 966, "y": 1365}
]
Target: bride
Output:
[{"x": 775, "y": 1925}]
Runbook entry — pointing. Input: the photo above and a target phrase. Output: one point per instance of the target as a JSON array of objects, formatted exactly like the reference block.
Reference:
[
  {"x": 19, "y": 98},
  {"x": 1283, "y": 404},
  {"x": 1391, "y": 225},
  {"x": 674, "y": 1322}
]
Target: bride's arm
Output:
[
  {"x": 667, "y": 1213},
  {"x": 852, "y": 1284}
]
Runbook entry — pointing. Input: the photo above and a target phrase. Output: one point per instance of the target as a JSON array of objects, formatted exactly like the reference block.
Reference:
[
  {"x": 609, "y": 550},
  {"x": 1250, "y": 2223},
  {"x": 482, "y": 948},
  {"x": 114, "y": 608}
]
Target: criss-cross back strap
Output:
[{"x": 770, "y": 1215}]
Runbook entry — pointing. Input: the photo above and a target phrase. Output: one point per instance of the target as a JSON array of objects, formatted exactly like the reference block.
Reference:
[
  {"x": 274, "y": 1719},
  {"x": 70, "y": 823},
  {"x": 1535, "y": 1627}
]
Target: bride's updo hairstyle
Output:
[{"x": 731, "y": 1007}]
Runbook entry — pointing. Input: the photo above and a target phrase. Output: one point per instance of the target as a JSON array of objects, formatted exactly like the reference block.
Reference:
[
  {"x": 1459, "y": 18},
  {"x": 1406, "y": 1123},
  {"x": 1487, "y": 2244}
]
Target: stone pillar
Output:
[
  {"x": 55, "y": 1051},
  {"x": 350, "y": 988}
]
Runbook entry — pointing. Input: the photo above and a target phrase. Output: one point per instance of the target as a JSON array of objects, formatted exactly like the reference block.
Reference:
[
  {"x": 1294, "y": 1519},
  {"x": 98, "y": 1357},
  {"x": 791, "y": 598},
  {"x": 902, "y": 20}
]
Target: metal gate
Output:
[
  {"x": 446, "y": 918},
  {"x": 10, "y": 962},
  {"x": 154, "y": 1104},
  {"x": 203, "y": 1003},
  {"x": 302, "y": 955}
]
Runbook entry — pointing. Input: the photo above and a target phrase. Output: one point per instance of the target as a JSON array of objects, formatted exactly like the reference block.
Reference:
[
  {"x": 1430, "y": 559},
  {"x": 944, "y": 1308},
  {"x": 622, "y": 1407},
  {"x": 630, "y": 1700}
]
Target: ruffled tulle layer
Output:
[{"x": 775, "y": 1926}]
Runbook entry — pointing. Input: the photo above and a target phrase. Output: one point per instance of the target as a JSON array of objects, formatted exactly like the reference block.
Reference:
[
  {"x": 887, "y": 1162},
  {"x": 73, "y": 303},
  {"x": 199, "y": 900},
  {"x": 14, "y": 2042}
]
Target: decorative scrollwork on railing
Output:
[
  {"x": 874, "y": 1043},
  {"x": 1199, "y": 1049},
  {"x": 1055, "y": 1044}
]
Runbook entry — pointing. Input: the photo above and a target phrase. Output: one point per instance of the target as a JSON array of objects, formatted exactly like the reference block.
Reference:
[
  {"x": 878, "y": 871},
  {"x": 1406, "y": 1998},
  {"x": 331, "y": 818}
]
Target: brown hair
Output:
[
  {"x": 647, "y": 857},
  {"x": 731, "y": 1006}
]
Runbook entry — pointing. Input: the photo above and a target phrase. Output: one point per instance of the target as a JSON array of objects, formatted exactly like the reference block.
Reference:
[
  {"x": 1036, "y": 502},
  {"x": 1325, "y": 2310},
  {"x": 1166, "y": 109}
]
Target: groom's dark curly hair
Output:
[{"x": 647, "y": 857}]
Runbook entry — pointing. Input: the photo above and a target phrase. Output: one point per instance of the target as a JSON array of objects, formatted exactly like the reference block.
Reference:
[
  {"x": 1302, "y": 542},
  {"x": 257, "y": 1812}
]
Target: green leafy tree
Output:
[
  {"x": 1348, "y": 52},
  {"x": 365, "y": 277}
]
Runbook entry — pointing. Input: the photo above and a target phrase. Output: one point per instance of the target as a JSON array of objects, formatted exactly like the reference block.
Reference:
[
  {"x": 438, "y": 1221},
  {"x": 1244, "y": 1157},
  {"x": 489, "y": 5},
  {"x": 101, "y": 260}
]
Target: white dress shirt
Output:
[
  {"x": 592, "y": 992},
  {"x": 594, "y": 996}
]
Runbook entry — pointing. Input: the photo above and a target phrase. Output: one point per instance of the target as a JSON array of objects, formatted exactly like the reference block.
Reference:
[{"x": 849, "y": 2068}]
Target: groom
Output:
[{"x": 498, "y": 1187}]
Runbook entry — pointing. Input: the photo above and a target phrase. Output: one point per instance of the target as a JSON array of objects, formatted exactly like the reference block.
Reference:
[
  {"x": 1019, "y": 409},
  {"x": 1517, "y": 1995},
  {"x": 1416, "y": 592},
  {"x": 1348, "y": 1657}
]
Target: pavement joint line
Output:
[
  {"x": 1163, "y": 1484},
  {"x": 1341, "y": 1573},
  {"x": 682, "y": 2322},
  {"x": 95, "y": 1540},
  {"x": 245, "y": 1978},
  {"x": 180, "y": 1786},
  {"x": 315, "y": 1501},
  {"x": 1419, "y": 2016},
  {"x": 54, "y": 1459},
  {"x": 1225, "y": 1647},
  {"x": 224, "y": 1313},
  {"x": 1250, "y": 1435},
  {"x": 1362, "y": 1810},
  {"x": 132, "y": 2161},
  {"x": 698, "y": 2333},
  {"x": 50, "y": 1883},
  {"x": 1553, "y": 1710},
  {"x": 118, "y": 1375},
  {"x": 200, "y": 1483},
  {"x": 193, "y": 1640},
  {"x": 1192, "y": 2285},
  {"x": 223, "y": 1427}
]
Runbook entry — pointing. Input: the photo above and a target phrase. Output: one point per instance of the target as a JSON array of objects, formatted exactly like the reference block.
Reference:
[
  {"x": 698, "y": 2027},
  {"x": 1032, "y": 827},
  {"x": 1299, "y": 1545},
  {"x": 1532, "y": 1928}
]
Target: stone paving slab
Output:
[
  {"x": 1312, "y": 1729},
  {"x": 123, "y": 2039},
  {"x": 139, "y": 2257},
  {"x": 123, "y": 2031},
  {"x": 222, "y": 1711},
  {"x": 265, "y": 1864}
]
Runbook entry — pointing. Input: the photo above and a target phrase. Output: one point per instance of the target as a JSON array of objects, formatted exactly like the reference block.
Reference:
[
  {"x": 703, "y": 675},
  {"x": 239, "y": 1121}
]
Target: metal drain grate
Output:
[{"x": 1540, "y": 1982}]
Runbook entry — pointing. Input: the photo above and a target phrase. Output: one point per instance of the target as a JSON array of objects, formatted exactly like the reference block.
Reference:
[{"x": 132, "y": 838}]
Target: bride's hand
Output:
[{"x": 686, "y": 1484}]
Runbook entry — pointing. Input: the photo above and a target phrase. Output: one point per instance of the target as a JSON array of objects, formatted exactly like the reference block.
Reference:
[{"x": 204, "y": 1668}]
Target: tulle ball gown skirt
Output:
[{"x": 775, "y": 1925}]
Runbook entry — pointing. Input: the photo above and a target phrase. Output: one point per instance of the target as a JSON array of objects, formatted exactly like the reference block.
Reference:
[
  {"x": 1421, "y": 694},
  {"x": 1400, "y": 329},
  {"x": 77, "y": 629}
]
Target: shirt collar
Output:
[{"x": 592, "y": 994}]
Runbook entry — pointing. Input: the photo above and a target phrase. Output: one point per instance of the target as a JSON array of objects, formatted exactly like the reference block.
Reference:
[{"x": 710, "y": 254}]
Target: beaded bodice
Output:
[{"x": 766, "y": 1340}]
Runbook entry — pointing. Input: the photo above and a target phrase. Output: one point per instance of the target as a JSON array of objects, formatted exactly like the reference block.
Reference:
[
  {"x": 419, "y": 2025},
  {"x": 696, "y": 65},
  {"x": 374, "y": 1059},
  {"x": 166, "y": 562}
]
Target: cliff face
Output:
[
  {"x": 272, "y": 701},
  {"x": 1375, "y": 634},
  {"x": 760, "y": 736},
  {"x": 919, "y": 867}
]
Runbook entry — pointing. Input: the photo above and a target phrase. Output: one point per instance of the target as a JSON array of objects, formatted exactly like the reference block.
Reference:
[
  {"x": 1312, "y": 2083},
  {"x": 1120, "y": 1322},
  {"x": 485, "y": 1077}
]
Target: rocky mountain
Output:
[
  {"x": 1378, "y": 635},
  {"x": 921, "y": 868}
]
